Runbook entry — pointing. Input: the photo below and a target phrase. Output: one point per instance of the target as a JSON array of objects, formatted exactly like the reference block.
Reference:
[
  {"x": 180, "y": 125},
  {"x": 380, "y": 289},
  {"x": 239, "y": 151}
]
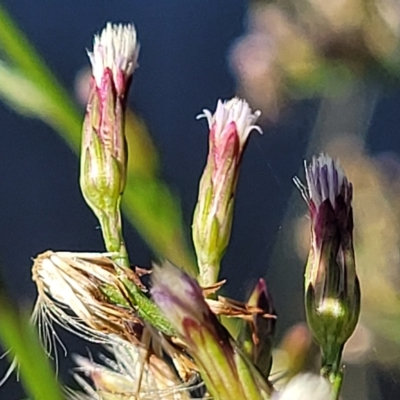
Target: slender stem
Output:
[
  {"x": 336, "y": 382},
  {"x": 113, "y": 238},
  {"x": 208, "y": 274},
  {"x": 114, "y": 241},
  {"x": 332, "y": 369}
]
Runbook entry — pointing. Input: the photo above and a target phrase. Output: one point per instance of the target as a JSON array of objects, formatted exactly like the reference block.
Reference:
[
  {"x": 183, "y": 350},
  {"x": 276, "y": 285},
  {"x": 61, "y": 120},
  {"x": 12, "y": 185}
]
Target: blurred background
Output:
[{"x": 326, "y": 76}]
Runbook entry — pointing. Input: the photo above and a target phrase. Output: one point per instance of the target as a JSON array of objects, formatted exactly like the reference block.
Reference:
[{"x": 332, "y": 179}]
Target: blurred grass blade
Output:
[
  {"x": 18, "y": 335},
  {"x": 155, "y": 212},
  {"x": 28, "y": 98},
  {"x": 19, "y": 51},
  {"x": 28, "y": 86}
]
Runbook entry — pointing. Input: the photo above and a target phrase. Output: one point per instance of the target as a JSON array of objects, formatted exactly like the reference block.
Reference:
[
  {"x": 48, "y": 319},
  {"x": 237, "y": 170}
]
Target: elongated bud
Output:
[
  {"x": 332, "y": 291},
  {"x": 104, "y": 150},
  {"x": 230, "y": 127},
  {"x": 225, "y": 370}
]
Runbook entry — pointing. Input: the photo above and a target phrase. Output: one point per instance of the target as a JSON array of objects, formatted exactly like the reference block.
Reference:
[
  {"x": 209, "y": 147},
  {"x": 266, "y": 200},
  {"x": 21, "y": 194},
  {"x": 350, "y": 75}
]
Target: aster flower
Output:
[
  {"x": 230, "y": 127},
  {"x": 104, "y": 149},
  {"x": 332, "y": 291},
  {"x": 305, "y": 387},
  {"x": 226, "y": 371}
]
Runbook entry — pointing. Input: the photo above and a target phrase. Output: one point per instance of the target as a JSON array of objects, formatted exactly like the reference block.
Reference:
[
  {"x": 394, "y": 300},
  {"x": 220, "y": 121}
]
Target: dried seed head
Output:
[
  {"x": 131, "y": 373},
  {"x": 87, "y": 285}
]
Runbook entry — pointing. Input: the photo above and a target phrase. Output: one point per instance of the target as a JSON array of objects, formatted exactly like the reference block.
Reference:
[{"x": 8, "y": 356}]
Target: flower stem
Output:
[
  {"x": 336, "y": 382},
  {"x": 333, "y": 370},
  {"x": 113, "y": 237}
]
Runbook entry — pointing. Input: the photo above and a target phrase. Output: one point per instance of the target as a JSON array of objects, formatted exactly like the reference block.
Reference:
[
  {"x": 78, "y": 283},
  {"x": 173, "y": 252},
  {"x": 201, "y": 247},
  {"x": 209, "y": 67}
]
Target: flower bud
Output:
[
  {"x": 229, "y": 127},
  {"x": 332, "y": 290},
  {"x": 104, "y": 149},
  {"x": 226, "y": 371}
]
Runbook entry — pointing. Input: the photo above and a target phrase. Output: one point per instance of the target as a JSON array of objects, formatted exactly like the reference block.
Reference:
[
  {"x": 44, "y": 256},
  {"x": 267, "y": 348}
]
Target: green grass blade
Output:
[{"x": 18, "y": 335}]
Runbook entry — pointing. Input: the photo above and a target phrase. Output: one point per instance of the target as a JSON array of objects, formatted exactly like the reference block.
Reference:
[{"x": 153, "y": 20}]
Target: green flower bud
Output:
[
  {"x": 104, "y": 148},
  {"x": 226, "y": 371},
  {"x": 230, "y": 127},
  {"x": 332, "y": 290}
]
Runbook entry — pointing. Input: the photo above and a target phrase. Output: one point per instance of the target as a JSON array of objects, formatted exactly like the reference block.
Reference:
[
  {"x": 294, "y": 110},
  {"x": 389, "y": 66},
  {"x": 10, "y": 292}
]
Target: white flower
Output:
[
  {"x": 115, "y": 48},
  {"x": 325, "y": 180},
  {"x": 305, "y": 387},
  {"x": 235, "y": 110}
]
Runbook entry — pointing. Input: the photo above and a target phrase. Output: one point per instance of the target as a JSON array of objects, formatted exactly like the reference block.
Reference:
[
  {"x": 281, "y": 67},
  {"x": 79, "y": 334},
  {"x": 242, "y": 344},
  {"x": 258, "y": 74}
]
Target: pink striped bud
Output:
[
  {"x": 104, "y": 150},
  {"x": 332, "y": 290},
  {"x": 230, "y": 127}
]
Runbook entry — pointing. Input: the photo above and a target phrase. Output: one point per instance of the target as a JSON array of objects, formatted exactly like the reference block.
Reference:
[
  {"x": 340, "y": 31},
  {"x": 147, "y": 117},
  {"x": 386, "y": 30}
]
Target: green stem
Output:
[
  {"x": 336, "y": 382},
  {"x": 111, "y": 227},
  {"x": 333, "y": 370},
  {"x": 114, "y": 241}
]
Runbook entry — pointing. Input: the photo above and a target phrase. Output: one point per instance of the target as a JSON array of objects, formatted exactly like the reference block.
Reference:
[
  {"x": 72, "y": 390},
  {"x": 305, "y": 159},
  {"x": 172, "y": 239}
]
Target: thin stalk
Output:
[
  {"x": 333, "y": 370},
  {"x": 336, "y": 380},
  {"x": 113, "y": 237}
]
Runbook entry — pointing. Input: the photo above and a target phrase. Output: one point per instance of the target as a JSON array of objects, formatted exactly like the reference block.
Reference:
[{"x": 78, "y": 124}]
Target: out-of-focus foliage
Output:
[
  {"x": 302, "y": 48},
  {"x": 19, "y": 336}
]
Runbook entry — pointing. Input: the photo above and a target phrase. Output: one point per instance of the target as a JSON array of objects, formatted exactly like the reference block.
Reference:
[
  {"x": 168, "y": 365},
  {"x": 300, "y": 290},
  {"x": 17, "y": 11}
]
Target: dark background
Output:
[{"x": 183, "y": 68}]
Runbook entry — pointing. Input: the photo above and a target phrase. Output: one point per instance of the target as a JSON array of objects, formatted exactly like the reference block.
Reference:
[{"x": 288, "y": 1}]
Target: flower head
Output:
[
  {"x": 331, "y": 285},
  {"x": 87, "y": 284},
  {"x": 115, "y": 50},
  {"x": 232, "y": 114},
  {"x": 230, "y": 127}
]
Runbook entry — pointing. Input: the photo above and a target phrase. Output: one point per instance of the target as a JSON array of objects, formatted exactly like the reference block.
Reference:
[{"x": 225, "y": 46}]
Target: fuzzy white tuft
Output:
[
  {"x": 115, "y": 48},
  {"x": 304, "y": 387},
  {"x": 325, "y": 181},
  {"x": 235, "y": 110}
]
